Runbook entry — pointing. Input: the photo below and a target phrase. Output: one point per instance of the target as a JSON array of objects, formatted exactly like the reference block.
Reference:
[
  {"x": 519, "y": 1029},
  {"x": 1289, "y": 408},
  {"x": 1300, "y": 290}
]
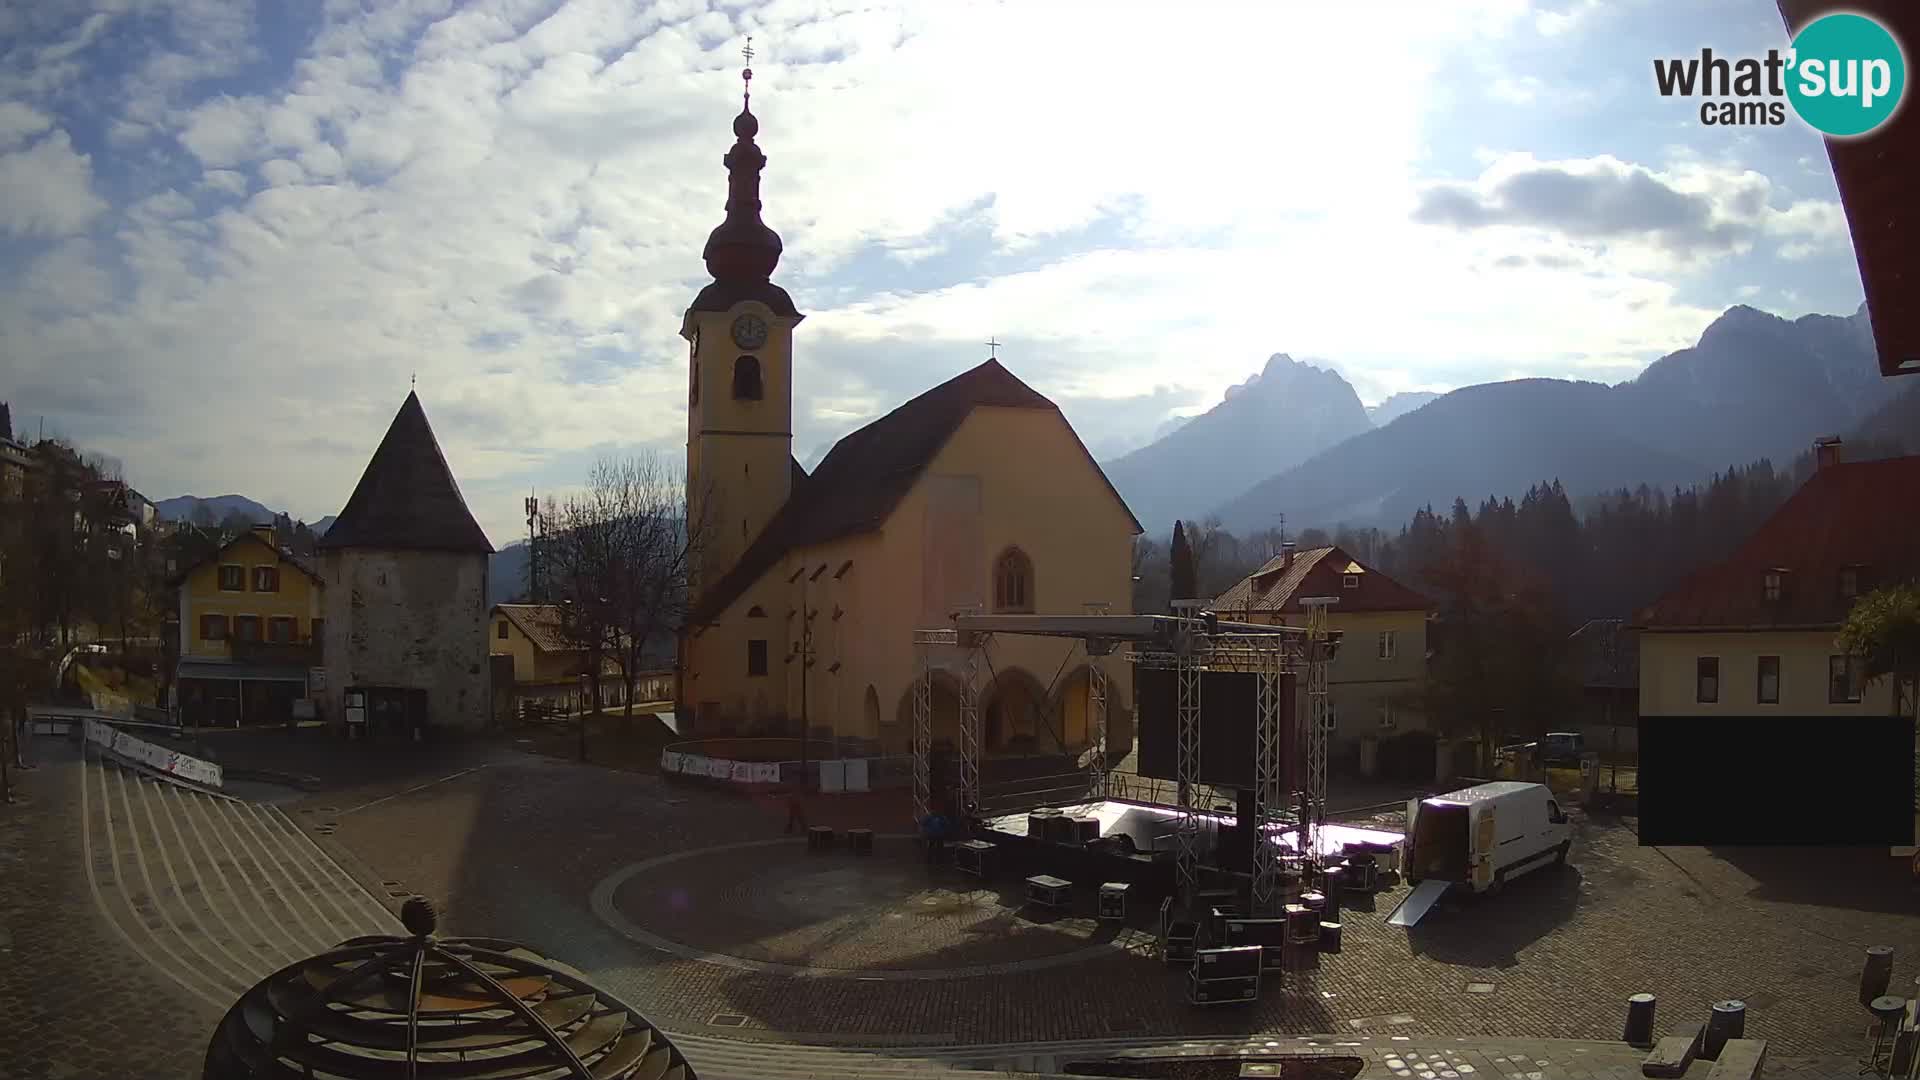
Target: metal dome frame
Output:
[{"x": 419, "y": 1007}]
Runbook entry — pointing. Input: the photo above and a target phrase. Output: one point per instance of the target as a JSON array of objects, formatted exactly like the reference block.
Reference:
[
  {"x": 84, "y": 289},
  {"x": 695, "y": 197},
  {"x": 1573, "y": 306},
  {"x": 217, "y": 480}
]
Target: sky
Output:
[{"x": 231, "y": 238}]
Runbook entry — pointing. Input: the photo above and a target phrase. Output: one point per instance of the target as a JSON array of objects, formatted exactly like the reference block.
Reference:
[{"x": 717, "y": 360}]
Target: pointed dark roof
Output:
[
  {"x": 865, "y": 475},
  {"x": 407, "y": 498}
]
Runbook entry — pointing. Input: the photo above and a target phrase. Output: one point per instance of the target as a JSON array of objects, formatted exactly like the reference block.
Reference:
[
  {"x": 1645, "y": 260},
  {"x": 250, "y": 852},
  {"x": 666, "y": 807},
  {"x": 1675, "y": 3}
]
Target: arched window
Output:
[
  {"x": 1013, "y": 581},
  {"x": 756, "y": 612},
  {"x": 871, "y": 706},
  {"x": 694, "y": 397},
  {"x": 746, "y": 379}
]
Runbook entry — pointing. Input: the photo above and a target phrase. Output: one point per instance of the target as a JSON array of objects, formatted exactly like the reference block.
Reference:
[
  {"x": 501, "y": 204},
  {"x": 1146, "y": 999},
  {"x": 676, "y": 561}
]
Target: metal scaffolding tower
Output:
[
  {"x": 1189, "y": 643},
  {"x": 924, "y": 642},
  {"x": 1269, "y": 799},
  {"x": 1187, "y": 661},
  {"x": 970, "y": 646},
  {"x": 1319, "y": 655},
  {"x": 1097, "y": 650}
]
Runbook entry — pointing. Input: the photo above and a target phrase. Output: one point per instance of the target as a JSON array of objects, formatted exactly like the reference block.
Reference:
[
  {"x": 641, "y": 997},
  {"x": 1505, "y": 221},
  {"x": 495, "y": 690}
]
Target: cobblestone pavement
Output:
[
  {"x": 517, "y": 848},
  {"x": 799, "y": 912},
  {"x": 79, "y": 1001}
]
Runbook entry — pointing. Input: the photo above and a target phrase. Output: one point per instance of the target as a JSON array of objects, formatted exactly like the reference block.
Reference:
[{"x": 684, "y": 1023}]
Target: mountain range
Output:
[
  {"x": 1755, "y": 385},
  {"x": 1295, "y": 439},
  {"x": 221, "y": 507},
  {"x": 1280, "y": 417}
]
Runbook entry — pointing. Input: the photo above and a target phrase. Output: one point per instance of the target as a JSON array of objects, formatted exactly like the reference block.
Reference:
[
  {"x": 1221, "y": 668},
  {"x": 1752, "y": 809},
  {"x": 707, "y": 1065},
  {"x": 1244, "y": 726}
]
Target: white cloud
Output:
[
  {"x": 47, "y": 189},
  {"x": 18, "y": 121},
  {"x": 514, "y": 211}
]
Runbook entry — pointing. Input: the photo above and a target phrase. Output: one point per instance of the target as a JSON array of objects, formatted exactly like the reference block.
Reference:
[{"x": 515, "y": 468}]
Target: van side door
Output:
[{"x": 1486, "y": 842}]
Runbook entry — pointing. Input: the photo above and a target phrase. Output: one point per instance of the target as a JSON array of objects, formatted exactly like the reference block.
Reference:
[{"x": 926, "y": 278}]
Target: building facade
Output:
[
  {"x": 543, "y": 664},
  {"x": 1755, "y": 635},
  {"x": 250, "y": 623},
  {"x": 808, "y": 587},
  {"x": 405, "y": 570},
  {"x": 1377, "y": 680}
]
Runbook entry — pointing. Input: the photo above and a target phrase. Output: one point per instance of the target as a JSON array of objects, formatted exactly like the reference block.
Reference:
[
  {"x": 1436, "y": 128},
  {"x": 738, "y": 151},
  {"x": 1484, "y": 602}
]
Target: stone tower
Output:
[{"x": 405, "y": 567}]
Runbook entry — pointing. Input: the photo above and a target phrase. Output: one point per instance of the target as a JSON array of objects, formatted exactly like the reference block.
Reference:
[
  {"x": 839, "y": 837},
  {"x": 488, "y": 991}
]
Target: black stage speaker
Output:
[{"x": 1228, "y": 704}]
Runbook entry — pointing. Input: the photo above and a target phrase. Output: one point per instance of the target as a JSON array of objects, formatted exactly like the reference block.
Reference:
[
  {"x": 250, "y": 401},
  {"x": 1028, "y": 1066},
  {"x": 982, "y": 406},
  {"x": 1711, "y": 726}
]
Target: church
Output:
[{"x": 807, "y": 589}]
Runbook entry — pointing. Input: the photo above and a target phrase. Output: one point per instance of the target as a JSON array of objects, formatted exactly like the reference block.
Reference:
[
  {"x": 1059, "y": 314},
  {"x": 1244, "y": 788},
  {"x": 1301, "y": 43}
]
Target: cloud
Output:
[
  {"x": 508, "y": 200},
  {"x": 47, "y": 189},
  {"x": 1690, "y": 211},
  {"x": 18, "y": 121}
]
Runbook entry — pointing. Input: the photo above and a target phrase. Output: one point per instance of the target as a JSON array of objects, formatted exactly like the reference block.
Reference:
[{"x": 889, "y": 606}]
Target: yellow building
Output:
[
  {"x": 976, "y": 495},
  {"x": 1754, "y": 636},
  {"x": 250, "y": 626},
  {"x": 1375, "y": 681},
  {"x": 543, "y": 663}
]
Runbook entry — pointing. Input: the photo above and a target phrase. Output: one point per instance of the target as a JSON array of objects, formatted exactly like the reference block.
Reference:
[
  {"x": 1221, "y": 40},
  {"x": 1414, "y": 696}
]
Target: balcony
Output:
[{"x": 276, "y": 653}]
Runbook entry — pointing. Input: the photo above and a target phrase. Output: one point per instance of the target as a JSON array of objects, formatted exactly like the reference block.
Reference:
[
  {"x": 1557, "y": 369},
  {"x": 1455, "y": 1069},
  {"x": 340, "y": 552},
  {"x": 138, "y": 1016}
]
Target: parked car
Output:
[{"x": 1562, "y": 749}]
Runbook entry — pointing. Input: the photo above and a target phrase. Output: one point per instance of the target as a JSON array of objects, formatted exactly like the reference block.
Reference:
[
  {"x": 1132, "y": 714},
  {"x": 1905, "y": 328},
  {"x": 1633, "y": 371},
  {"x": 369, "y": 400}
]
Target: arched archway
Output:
[
  {"x": 1067, "y": 708},
  {"x": 1013, "y": 719}
]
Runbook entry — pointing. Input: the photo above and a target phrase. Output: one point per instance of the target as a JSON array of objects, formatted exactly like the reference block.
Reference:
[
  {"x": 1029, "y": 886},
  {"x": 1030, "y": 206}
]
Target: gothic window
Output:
[
  {"x": 746, "y": 379},
  {"x": 1013, "y": 581}
]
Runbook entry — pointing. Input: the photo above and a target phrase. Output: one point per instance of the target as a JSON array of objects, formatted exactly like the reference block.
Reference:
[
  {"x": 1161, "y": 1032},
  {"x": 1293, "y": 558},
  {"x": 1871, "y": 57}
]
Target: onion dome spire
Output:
[{"x": 742, "y": 249}]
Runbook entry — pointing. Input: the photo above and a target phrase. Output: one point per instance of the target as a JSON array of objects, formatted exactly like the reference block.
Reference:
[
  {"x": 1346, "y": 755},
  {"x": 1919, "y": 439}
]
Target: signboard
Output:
[{"x": 158, "y": 758}]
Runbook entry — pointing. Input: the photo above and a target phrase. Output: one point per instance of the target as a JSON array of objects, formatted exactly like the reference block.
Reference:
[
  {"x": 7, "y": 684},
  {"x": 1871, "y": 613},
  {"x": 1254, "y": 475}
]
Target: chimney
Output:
[
  {"x": 1826, "y": 451},
  {"x": 1286, "y": 554},
  {"x": 264, "y": 533}
]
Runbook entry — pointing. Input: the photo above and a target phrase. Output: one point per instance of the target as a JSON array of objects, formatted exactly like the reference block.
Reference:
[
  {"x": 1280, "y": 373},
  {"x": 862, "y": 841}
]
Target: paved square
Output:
[{"x": 521, "y": 848}]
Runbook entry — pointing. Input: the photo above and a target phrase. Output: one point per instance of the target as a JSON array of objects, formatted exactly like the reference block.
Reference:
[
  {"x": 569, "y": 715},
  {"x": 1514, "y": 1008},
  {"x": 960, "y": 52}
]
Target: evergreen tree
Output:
[{"x": 1185, "y": 582}]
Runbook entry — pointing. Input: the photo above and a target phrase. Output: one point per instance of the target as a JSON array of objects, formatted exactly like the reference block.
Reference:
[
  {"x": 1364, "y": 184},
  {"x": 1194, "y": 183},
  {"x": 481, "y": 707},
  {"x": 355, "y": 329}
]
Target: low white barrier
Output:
[
  {"x": 738, "y": 772},
  {"x": 158, "y": 758}
]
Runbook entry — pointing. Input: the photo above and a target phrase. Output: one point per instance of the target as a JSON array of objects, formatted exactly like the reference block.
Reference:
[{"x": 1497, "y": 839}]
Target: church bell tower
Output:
[{"x": 739, "y": 332}]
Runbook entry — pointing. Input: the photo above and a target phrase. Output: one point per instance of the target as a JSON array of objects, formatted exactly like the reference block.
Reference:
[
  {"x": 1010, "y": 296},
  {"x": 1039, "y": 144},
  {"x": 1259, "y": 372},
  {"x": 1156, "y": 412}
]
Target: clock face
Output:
[{"x": 749, "y": 331}]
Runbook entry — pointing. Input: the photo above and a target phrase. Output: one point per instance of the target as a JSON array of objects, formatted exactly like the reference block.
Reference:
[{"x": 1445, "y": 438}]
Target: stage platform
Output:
[{"x": 1151, "y": 828}]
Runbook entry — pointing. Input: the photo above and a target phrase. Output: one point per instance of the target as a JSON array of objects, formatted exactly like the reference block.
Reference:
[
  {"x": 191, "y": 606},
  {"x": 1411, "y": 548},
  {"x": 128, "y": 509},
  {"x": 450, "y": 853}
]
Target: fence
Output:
[
  {"x": 758, "y": 762},
  {"x": 158, "y": 758}
]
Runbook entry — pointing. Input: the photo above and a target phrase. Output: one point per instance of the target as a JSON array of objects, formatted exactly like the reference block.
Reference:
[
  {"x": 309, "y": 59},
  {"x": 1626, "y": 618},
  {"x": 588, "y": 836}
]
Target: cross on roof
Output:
[{"x": 993, "y": 348}]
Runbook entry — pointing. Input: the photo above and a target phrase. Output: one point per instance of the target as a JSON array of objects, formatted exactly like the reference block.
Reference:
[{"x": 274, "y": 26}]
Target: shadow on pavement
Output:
[
  {"x": 1859, "y": 879},
  {"x": 1488, "y": 931}
]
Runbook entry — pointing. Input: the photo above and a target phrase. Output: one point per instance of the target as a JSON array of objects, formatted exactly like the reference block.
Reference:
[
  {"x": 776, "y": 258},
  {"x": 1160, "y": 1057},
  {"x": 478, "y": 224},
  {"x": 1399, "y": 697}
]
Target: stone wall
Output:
[{"x": 408, "y": 619}]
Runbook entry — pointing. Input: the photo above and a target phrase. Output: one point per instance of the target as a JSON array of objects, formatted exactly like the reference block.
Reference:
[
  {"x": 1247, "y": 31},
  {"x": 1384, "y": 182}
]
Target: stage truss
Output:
[{"x": 1190, "y": 642}]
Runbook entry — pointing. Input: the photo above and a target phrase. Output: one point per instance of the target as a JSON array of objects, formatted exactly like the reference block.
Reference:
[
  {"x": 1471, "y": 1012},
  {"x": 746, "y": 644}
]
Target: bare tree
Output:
[{"x": 620, "y": 551}]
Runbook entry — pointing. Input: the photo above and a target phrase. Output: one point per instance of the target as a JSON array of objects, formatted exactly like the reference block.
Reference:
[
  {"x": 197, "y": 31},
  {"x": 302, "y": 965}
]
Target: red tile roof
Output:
[
  {"x": 1276, "y": 588},
  {"x": 1875, "y": 176},
  {"x": 1862, "y": 515},
  {"x": 860, "y": 481}
]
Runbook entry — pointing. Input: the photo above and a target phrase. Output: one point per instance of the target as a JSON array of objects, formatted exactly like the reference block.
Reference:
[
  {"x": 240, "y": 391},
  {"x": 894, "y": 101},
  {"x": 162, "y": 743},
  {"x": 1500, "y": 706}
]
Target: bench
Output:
[
  {"x": 1672, "y": 1055},
  {"x": 1740, "y": 1059}
]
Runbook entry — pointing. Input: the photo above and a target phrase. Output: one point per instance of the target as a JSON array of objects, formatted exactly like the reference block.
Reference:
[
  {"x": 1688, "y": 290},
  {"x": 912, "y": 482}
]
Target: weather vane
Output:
[{"x": 746, "y": 74}]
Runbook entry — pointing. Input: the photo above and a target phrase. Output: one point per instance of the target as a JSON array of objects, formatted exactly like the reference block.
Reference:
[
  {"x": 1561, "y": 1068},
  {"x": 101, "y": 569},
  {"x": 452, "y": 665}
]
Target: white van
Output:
[{"x": 1482, "y": 836}]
